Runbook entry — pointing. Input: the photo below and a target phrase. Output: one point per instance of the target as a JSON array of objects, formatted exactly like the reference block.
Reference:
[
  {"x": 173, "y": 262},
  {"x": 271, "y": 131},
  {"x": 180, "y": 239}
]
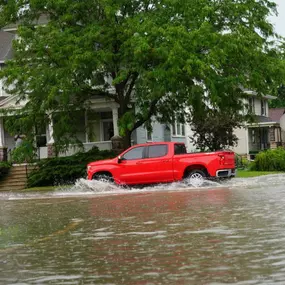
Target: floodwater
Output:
[{"x": 96, "y": 233}]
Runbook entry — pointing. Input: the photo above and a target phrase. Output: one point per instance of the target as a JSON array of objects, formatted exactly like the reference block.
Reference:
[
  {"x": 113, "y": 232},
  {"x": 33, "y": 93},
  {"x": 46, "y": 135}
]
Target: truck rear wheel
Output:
[{"x": 196, "y": 177}]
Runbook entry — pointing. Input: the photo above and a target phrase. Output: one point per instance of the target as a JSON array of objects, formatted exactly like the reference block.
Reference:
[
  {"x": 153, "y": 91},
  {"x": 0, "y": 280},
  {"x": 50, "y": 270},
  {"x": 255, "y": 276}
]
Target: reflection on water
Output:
[{"x": 230, "y": 234}]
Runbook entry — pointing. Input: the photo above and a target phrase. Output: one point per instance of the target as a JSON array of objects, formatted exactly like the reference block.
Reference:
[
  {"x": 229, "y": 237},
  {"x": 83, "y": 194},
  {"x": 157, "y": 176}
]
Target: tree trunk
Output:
[{"x": 127, "y": 139}]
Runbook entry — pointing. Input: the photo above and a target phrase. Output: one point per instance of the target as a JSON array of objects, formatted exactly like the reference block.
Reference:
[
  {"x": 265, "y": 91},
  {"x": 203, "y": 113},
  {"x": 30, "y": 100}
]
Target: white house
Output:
[{"x": 264, "y": 134}]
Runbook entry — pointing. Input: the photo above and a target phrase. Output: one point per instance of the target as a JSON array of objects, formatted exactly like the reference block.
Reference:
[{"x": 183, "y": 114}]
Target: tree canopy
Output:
[
  {"x": 279, "y": 102},
  {"x": 153, "y": 57}
]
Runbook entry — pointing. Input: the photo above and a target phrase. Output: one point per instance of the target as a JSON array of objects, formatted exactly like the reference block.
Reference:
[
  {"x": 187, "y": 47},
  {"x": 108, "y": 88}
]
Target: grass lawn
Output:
[{"x": 248, "y": 173}]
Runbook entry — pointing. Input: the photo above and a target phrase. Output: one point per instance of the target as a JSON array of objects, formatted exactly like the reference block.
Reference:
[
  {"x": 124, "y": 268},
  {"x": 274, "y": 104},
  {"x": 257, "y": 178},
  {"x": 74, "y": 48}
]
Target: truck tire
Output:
[{"x": 196, "y": 177}]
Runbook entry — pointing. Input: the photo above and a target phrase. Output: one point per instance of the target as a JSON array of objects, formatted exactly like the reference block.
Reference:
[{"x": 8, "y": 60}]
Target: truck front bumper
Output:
[{"x": 226, "y": 173}]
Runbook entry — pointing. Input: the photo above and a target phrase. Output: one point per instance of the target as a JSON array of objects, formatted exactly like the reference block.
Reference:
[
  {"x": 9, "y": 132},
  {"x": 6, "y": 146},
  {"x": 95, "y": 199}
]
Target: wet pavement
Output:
[{"x": 169, "y": 234}]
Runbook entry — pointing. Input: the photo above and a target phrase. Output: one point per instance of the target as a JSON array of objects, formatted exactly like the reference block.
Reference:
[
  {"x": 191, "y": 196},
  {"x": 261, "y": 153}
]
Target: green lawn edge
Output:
[{"x": 248, "y": 173}]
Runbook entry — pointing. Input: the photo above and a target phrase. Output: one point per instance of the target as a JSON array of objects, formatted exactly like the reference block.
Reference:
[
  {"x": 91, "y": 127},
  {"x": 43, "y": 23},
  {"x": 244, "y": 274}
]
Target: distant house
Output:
[
  {"x": 264, "y": 134},
  {"x": 275, "y": 114}
]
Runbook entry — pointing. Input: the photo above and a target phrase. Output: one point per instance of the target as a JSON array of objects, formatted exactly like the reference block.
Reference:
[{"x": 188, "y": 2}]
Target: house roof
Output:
[
  {"x": 42, "y": 20},
  {"x": 263, "y": 119},
  {"x": 6, "y": 40},
  {"x": 2, "y": 98},
  {"x": 253, "y": 93},
  {"x": 276, "y": 113}
]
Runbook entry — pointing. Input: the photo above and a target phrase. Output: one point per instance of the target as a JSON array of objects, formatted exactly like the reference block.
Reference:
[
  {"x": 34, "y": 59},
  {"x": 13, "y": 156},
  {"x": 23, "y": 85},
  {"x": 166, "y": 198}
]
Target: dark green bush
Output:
[
  {"x": 65, "y": 170},
  {"x": 24, "y": 153},
  {"x": 270, "y": 160},
  {"x": 241, "y": 162},
  {"x": 4, "y": 168}
]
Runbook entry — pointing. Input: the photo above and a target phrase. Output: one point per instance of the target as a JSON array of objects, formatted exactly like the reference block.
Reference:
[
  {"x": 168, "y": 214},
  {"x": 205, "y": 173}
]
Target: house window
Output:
[
  {"x": 178, "y": 129},
  {"x": 107, "y": 130},
  {"x": 149, "y": 137},
  {"x": 272, "y": 134},
  {"x": 251, "y": 105},
  {"x": 263, "y": 108},
  {"x": 253, "y": 136}
]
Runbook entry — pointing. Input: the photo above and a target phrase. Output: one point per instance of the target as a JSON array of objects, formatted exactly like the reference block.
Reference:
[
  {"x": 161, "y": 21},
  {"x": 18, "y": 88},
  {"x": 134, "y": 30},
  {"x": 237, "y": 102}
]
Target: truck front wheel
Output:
[
  {"x": 195, "y": 177},
  {"x": 103, "y": 176}
]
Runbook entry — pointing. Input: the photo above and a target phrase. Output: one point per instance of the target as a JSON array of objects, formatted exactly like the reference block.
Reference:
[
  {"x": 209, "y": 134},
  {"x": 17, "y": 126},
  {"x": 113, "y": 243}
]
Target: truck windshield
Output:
[{"x": 179, "y": 149}]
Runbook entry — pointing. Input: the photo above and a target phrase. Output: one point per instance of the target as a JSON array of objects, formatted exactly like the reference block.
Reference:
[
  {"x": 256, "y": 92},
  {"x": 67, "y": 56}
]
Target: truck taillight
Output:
[{"x": 222, "y": 159}]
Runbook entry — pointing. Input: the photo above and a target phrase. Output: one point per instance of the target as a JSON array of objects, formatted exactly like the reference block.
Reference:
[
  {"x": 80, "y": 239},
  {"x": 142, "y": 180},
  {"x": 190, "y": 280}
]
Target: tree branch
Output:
[
  {"x": 151, "y": 112},
  {"x": 131, "y": 86}
]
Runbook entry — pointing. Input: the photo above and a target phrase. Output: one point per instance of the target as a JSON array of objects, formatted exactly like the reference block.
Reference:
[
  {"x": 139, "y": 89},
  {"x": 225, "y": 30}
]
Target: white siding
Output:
[{"x": 242, "y": 146}]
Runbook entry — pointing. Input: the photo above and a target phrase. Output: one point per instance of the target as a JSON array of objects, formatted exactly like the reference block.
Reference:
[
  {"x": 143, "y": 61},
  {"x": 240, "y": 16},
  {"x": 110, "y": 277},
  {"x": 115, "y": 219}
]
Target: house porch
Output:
[
  {"x": 262, "y": 137},
  {"x": 95, "y": 127}
]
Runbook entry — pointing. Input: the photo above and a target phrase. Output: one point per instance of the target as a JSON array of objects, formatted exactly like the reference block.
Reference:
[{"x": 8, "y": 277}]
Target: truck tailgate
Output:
[{"x": 227, "y": 158}]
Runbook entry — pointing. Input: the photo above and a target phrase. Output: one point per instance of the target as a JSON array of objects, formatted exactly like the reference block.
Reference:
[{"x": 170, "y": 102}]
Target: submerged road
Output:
[{"x": 100, "y": 234}]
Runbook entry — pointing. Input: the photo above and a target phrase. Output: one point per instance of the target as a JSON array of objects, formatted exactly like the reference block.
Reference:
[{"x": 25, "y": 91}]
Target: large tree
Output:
[{"x": 160, "y": 56}]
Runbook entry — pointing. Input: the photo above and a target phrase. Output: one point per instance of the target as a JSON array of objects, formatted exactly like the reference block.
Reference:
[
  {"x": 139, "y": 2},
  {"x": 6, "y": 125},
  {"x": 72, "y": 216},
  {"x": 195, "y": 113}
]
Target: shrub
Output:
[
  {"x": 241, "y": 162},
  {"x": 65, "y": 170},
  {"x": 4, "y": 168},
  {"x": 24, "y": 153},
  {"x": 270, "y": 160}
]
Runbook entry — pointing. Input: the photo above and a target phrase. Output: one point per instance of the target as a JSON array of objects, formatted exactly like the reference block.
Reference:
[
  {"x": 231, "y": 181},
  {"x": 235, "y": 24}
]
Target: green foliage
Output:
[
  {"x": 241, "y": 162},
  {"x": 23, "y": 153},
  {"x": 270, "y": 160},
  {"x": 174, "y": 54},
  {"x": 279, "y": 102},
  {"x": 65, "y": 170},
  {"x": 214, "y": 129},
  {"x": 4, "y": 168}
]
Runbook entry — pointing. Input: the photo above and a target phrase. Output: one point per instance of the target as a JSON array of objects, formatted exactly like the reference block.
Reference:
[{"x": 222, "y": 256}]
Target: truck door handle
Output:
[{"x": 166, "y": 160}]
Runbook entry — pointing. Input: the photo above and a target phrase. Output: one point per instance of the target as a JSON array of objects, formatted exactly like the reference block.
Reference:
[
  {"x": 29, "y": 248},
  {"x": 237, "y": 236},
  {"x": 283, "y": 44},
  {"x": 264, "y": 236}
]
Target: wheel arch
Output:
[
  {"x": 197, "y": 166},
  {"x": 102, "y": 173}
]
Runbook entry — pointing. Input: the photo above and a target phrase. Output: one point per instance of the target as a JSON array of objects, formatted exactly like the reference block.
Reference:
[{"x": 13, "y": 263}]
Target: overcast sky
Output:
[{"x": 279, "y": 21}]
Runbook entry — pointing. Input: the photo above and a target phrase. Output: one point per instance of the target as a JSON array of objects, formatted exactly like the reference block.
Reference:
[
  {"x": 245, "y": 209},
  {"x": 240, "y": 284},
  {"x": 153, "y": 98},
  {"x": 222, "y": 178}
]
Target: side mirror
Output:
[{"x": 119, "y": 159}]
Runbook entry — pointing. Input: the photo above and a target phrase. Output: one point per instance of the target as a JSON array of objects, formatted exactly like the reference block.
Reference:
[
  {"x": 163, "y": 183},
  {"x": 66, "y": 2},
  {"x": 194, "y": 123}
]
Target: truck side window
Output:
[
  {"x": 157, "y": 150},
  {"x": 135, "y": 153},
  {"x": 179, "y": 149}
]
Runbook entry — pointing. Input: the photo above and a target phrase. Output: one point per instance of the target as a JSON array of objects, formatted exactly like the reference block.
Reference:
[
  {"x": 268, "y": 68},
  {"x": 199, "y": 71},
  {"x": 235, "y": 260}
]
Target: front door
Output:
[
  {"x": 130, "y": 168},
  {"x": 264, "y": 138},
  {"x": 108, "y": 130}
]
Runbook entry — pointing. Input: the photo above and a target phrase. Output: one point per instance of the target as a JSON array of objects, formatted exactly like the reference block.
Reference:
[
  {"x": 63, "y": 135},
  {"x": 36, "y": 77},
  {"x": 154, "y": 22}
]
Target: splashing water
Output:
[
  {"x": 103, "y": 187},
  {"x": 84, "y": 187}
]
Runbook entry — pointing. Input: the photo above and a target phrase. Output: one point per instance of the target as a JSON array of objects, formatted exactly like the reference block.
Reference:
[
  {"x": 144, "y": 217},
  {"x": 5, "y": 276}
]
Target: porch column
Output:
[
  {"x": 3, "y": 148},
  {"x": 247, "y": 142},
  {"x": 86, "y": 126},
  {"x": 50, "y": 143},
  {"x": 115, "y": 120}
]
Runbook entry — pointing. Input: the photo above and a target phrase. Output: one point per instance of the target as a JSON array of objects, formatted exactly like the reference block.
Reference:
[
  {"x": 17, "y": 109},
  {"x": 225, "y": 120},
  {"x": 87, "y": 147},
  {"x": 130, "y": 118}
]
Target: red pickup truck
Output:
[{"x": 163, "y": 162}]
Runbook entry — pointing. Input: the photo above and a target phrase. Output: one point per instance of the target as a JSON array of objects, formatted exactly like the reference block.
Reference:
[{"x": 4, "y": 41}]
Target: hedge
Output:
[
  {"x": 270, "y": 160},
  {"x": 65, "y": 170}
]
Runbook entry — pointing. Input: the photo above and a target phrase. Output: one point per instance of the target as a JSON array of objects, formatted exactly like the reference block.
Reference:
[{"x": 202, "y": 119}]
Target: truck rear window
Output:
[{"x": 179, "y": 149}]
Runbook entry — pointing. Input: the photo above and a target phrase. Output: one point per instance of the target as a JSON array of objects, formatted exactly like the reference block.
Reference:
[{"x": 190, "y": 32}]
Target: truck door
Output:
[
  {"x": 158, "y": 164},
  {"x": 130, "y": 169}
]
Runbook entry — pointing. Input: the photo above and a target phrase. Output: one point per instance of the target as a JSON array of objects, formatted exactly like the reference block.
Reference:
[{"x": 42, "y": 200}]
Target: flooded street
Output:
[{"x": 100, "y": 234}]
